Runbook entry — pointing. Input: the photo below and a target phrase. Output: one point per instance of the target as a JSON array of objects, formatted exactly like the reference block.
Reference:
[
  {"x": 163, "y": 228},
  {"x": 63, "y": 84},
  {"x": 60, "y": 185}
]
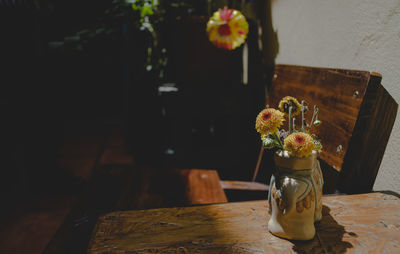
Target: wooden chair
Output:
[{"x": 357, "y": 115}]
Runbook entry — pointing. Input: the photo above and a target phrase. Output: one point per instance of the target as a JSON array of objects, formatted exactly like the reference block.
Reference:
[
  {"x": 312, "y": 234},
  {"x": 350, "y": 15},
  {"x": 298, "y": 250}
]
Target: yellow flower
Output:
[
  {"x": 227, "y": 28},
  {"x": 299, "y": 144},
  {"x": 288, "y": 101},
  {"x": 268, "y": 121}
]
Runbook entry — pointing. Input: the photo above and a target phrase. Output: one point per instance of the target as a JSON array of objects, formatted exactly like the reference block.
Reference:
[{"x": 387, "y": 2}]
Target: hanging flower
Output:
[
  {"x": 227, "y": 28},
  {"x": 299, "y": 144},
  {"x": 288, "y": 101},
  {"x": 268, "y": 121}
]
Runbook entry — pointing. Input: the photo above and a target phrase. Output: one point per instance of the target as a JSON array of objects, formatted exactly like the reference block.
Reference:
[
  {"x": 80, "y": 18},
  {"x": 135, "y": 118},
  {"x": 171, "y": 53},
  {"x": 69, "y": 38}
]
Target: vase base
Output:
[
  {"x": 296, "y": 238},
  {"x": 303, "y": 232}
]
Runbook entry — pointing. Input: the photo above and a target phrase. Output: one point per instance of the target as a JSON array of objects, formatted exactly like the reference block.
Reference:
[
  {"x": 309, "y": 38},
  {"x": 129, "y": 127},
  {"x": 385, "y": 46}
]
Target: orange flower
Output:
[
  {"x": 268, "y": 121},
  {"x": 299, "y": 144}
]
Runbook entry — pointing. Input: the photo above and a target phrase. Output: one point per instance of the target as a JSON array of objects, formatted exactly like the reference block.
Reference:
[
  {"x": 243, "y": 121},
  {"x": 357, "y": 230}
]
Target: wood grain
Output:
[
  {"x": 203, "y": 186},
  {"x": 117, "y": 183},
  {"x": 370, "y": 137},
  {"x": 332, "y": 91},
  {"x": 100, "y": 196},
  {"x": 366, "y": 223},
  {"x": 357, "y": 113},
  {"x": 241, "y": 185},
  {"x": 155, "y": 187},
  {"x": 123, "y": 187}
]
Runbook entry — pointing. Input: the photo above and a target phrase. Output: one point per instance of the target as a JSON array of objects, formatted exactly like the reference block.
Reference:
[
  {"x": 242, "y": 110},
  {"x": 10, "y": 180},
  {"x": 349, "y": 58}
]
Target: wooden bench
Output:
[
  {"x": 154, "y": 187},
  {"x": 185, "y": 187},
  {"x": 118, "y": 184},
  {"x": 203, "y": 186}
]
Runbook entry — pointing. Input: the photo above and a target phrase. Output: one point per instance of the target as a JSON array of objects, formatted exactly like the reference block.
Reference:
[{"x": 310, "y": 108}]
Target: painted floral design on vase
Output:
[{"x": 295, "y": 196}]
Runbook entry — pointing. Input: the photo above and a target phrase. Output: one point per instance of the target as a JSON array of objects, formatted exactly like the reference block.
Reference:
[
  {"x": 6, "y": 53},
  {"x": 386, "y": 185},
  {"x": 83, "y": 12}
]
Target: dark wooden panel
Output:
[
  {"x": 370, "y": 137},
  {"x": 100, "y": 197},
  {"x": 350, "y": 224},
  {"x": 332, "y": 91},
  {"x": 116, "y": 156},
  {"x": 111, "y": 170}
]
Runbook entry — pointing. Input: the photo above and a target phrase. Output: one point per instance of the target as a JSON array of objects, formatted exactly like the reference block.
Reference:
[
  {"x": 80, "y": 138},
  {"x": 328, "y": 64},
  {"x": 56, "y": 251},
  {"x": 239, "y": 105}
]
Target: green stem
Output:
[{"x": 276, "y": 136}]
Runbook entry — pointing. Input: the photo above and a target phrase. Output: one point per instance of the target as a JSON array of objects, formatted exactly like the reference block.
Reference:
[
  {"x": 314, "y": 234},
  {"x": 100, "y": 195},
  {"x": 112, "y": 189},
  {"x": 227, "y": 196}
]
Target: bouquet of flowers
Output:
[{"x": 298, "y": 142}]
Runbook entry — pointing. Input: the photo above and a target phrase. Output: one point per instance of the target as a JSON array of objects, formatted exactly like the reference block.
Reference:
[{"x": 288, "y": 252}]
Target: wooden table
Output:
[
  {"x": 118, "y": 187},
  {"x": 365, "y": 223}
]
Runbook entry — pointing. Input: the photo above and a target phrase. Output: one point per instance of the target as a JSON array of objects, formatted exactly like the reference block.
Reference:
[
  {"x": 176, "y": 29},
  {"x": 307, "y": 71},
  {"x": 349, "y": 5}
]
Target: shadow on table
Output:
[{"x": 329, "y": 237}]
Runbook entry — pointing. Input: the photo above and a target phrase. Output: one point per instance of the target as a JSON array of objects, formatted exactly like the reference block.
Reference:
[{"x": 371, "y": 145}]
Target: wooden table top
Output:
[{"x": 365, "y": 223}]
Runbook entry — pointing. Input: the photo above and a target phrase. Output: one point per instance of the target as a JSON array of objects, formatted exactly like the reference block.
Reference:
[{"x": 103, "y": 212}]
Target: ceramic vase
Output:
[{"x": 294, "y": 196}]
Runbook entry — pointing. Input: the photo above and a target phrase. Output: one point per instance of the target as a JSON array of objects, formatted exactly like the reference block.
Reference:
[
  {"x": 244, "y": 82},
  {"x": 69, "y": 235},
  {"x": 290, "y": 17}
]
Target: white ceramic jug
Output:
[{"x": 295, "y": 196}]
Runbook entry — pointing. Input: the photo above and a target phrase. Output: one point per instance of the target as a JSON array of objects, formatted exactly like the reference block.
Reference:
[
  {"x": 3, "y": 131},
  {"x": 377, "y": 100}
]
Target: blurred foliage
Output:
[
  {"x": 146, "y": 16},
  {"x": 106, "y": 21}
]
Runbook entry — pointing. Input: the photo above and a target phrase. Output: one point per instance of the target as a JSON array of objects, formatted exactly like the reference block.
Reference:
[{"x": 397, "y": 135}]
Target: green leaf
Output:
[
  {"x": 146, "y": 11},
  {"x": 135, "y": 7}
]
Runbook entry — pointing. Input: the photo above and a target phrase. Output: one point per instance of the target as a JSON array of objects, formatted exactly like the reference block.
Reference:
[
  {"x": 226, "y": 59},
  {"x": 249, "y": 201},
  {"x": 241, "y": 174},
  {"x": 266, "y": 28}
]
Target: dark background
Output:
[
  {"x": 74, "y": 68},
  {"x": 83, "y": 102}
]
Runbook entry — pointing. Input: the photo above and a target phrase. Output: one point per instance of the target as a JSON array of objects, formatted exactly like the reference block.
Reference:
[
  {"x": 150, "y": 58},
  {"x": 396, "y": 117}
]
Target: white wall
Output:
[{"x": 356, "y": 34}]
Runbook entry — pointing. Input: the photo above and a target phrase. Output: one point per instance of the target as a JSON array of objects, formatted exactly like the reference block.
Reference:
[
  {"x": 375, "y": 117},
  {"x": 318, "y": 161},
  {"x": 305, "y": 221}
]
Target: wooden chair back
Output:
[{"x": 357, "y": 115}]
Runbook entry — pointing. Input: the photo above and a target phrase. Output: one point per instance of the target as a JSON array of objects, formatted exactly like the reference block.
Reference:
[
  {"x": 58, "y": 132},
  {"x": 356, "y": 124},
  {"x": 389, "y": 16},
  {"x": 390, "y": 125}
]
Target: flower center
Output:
[
  {"x": 224, "y": 29},
  {"x": 267, "y": 116},
  {"x": 299, "y": 139},
  {"x": 289, "y": 104}
]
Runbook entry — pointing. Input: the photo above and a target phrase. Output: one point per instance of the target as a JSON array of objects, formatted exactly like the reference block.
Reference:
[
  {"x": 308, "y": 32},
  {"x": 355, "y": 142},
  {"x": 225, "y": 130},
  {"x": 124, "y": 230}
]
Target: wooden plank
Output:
[
  {"x": 357, "y": 114},
  {"x": 123, "y": 187},
  {"x": 79, "y": 166},
  {"x": 353, "y": 224},
  {"x": 203, "y": 186},
  {"x": 154, "y": 188},
  {"x": 151, "y": 187},
  {"x": 332, "y": 90},
  {"x": 116, "y": 156},
  {"x": 370, "y": 137},
  {"x": 117, "y": 184},
  {"x": 100, "y": 196},
  {"x": 31, "y": 227},
  {"x": 80, "y": 153},
  {"x": 241, "y": 185}
]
